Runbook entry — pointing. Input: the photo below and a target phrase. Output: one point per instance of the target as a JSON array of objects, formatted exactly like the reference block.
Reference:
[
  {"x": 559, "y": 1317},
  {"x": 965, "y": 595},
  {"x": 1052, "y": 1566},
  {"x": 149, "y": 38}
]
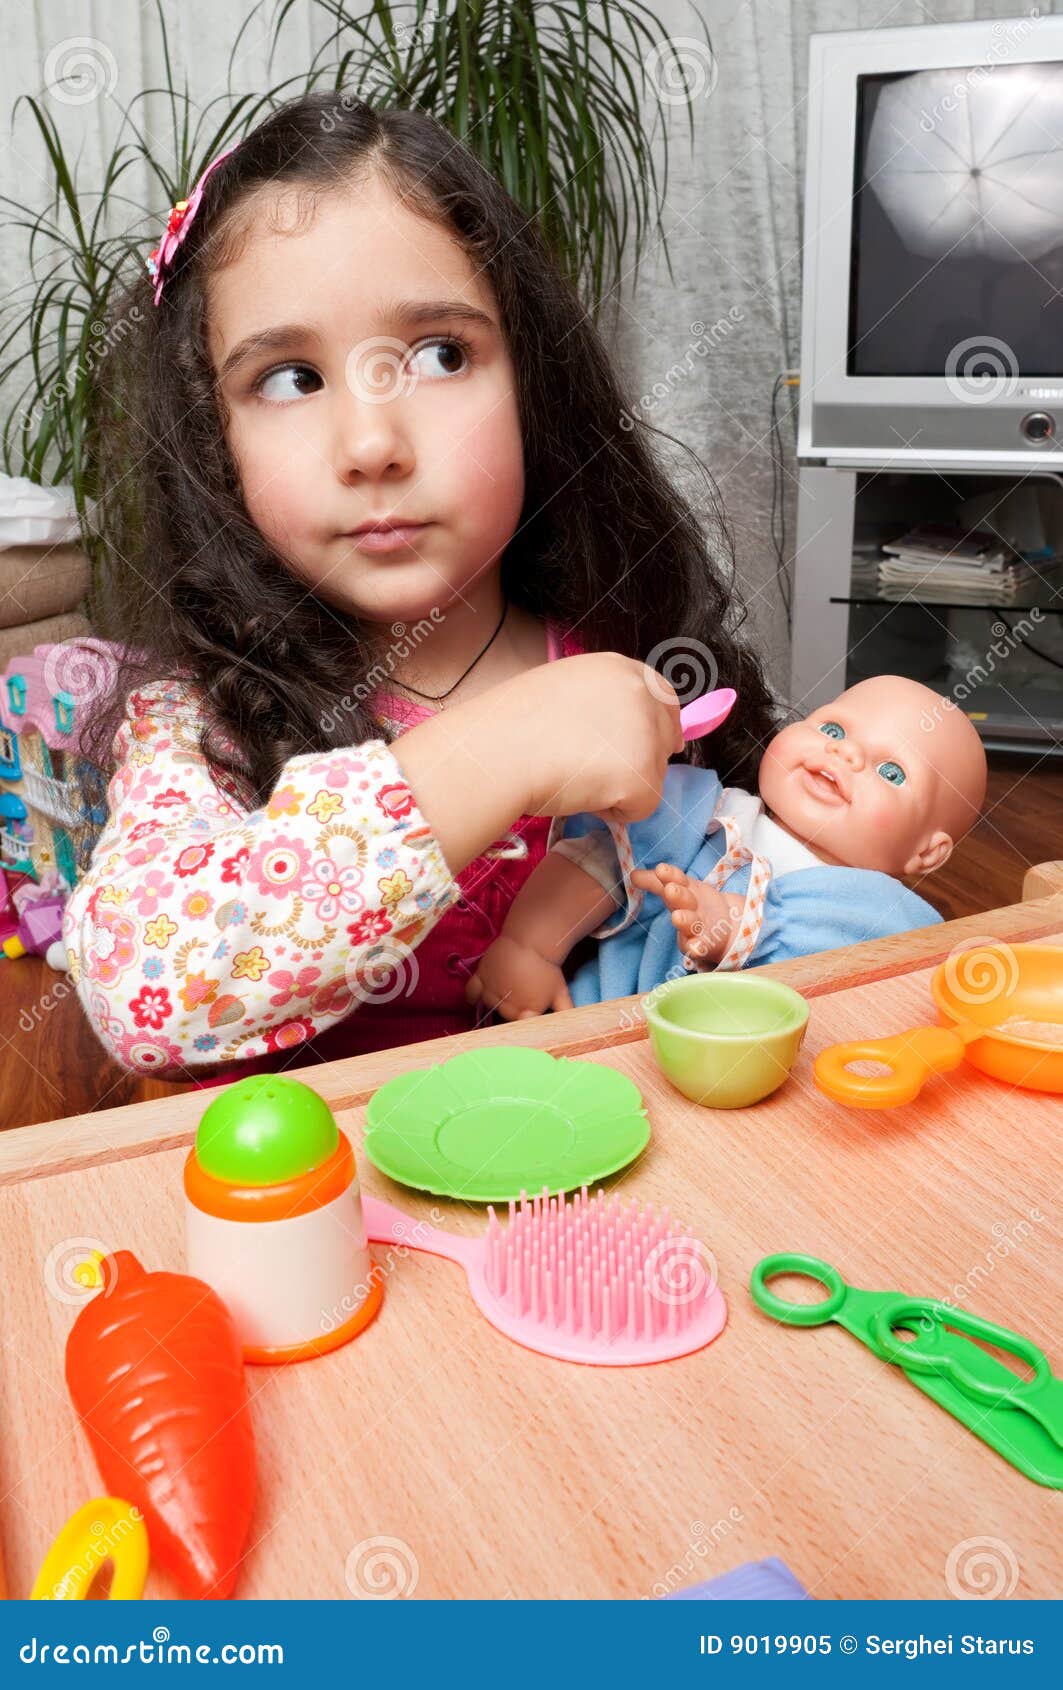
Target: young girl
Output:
[{"x": 390, "y": 553}]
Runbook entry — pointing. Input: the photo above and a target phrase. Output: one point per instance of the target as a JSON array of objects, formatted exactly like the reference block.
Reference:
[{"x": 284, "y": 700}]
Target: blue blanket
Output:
[{"x": 807, "y": 910}]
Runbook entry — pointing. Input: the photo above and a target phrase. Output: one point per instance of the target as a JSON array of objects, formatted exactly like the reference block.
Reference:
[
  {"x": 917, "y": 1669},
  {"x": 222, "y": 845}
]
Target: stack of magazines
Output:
[{"x": 937, "y": 563}]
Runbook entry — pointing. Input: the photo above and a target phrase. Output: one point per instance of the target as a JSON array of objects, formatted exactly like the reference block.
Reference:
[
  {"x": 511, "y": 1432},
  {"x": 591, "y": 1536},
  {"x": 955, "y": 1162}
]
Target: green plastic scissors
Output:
[{"x": 1022, "y": 1419}]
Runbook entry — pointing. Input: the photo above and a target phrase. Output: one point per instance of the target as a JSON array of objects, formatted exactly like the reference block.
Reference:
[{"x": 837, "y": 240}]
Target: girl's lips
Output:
[
  {"x": 388, "y": 539},
  {"x": 823, "y": 787}
]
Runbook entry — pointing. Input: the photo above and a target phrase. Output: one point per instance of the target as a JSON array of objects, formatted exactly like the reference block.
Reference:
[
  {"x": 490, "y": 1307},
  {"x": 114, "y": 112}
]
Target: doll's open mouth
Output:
[{"x": 823, "y": 784}]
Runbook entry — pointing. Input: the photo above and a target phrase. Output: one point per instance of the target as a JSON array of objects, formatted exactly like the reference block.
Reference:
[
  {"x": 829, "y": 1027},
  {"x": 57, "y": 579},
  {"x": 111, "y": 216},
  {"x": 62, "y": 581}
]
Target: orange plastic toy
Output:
[
  {"x": 1002, "y": 1009},
  {"x": 154, "y": 1369}
]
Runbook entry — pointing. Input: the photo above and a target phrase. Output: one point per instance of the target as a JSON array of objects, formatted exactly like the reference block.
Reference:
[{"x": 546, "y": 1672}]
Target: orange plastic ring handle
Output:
[{"x": 910, "y": 1058}]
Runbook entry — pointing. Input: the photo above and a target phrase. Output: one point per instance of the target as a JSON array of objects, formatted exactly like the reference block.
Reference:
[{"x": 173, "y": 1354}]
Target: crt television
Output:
[{"x": 932, "y": 315}]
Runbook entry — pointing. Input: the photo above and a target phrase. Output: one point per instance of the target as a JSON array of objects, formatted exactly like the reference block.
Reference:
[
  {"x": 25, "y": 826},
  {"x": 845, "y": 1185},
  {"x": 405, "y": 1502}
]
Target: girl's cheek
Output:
[{"x": 490, "y": 446}]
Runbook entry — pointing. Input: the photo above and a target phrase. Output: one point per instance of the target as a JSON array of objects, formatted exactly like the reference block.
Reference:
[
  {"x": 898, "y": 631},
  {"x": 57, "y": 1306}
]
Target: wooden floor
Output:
[{"x": 51, "y": 1063}]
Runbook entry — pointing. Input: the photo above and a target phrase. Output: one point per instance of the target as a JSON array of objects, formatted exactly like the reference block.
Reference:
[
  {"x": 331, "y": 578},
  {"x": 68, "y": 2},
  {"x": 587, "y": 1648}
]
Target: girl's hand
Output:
[
  {"x": 516, "y": 982},
  {"x": 583, "y": 733},
  {"x": 595, "y": 733}
]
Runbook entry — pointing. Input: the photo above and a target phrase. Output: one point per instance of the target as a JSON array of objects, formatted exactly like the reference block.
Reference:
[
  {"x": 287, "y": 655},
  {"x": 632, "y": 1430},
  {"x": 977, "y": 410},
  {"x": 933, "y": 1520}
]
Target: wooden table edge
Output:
[{"x": 140, "y": 1129}]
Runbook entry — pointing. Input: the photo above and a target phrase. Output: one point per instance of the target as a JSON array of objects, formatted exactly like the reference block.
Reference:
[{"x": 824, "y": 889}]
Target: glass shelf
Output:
[{"x": 1043, "y": 591}]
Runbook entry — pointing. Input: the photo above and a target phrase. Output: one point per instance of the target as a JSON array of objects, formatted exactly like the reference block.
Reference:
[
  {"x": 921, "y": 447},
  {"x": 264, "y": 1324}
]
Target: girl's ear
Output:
[{"x": 930, "y": 854}]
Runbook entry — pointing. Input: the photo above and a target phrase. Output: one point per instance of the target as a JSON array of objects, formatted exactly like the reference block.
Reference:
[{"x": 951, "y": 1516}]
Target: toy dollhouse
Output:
[{"x": 46, "y": 826}]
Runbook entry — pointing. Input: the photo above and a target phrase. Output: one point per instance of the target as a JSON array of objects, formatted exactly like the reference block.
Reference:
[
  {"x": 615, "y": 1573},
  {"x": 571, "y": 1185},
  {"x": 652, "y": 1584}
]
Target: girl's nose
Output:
[{"x": 371, "y": 439}]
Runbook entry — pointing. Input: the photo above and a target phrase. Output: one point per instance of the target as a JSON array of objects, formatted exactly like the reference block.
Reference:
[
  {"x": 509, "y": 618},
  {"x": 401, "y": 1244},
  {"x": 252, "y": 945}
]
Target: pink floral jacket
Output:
[{"x": 205, "y": 931}]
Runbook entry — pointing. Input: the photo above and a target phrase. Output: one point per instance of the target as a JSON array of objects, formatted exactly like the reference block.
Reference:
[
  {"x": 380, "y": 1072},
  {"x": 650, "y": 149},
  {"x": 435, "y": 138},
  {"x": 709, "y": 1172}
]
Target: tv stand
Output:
[{"x": 844, "y": 630}]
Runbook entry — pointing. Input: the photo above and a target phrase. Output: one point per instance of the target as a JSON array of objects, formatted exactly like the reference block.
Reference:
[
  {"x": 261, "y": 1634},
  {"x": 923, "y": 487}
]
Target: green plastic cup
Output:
[{"x": 725, "y": 1040}]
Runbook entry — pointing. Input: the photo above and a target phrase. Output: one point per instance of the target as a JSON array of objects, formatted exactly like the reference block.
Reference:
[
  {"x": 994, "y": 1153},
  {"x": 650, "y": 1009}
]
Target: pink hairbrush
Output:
[
  {"x": 701, "y": 715},
  {"x": 592, "y": 1280}
]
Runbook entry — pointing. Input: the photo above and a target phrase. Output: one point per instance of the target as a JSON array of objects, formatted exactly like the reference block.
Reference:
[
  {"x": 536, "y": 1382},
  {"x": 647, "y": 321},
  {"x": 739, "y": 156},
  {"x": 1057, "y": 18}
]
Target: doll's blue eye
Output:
[
  {"x": 893, "y": 773},
  {"x": 833, "y": 730}
]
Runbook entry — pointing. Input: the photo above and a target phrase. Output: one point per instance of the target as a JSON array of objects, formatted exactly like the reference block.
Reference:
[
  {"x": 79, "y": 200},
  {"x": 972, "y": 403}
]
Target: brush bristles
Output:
[{"x": 597, "y": 1267}]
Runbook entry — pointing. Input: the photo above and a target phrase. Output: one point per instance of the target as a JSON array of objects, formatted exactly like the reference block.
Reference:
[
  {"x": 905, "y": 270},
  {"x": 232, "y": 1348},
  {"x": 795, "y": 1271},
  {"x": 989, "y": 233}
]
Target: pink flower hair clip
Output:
[{"x": 177, "y": 226}]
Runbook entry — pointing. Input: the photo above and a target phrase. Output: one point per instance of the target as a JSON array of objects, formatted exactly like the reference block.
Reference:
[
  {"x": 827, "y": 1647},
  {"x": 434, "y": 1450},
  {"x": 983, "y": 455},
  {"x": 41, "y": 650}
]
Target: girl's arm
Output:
[{"x": 203, "y": 932}]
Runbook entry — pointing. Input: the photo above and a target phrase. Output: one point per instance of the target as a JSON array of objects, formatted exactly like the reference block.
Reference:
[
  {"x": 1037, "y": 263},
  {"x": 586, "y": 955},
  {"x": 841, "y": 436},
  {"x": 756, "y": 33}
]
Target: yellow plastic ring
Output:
[{"x": 105, "y": 1529}]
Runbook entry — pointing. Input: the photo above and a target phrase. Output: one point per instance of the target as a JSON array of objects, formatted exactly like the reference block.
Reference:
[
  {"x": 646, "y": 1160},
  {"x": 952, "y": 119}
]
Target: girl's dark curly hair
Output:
[{"x": 605, "y": 544}]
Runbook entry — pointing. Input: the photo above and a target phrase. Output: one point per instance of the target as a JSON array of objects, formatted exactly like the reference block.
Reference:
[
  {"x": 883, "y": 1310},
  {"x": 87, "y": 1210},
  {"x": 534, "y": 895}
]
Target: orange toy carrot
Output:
[{"x": 155, "y": 1371}]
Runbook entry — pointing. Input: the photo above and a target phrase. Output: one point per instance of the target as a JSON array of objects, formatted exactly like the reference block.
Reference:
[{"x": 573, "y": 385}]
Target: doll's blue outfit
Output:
[{"x": 795, "y": 904}]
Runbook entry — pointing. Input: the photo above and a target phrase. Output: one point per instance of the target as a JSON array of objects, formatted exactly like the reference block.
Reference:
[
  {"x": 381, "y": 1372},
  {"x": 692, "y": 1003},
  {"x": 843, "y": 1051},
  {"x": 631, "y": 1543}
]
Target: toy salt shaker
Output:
[{"x": 273, "y": 1220}]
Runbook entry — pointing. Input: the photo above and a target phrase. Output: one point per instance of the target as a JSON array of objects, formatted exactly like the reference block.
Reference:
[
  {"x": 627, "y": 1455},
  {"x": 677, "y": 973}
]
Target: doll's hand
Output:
[
  {"x": 517, "y": 982},
  {"x": 704, "y": 918}
]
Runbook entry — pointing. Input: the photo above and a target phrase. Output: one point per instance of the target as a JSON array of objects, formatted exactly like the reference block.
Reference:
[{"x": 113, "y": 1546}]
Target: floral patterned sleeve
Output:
[{"x": 205, "y": 931}]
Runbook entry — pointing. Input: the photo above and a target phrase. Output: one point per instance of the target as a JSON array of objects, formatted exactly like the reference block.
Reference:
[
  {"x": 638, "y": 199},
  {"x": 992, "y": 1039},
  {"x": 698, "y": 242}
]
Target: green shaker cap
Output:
[{"x": 264, "y": 1130}]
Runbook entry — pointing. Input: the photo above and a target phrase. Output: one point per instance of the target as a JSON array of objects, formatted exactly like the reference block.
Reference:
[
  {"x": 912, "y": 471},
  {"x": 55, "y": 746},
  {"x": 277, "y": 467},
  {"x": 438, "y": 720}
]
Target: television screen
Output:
[{"x": 957, "y": 255}]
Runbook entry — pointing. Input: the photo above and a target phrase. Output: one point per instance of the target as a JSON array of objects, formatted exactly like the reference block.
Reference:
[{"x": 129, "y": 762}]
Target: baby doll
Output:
[{"x": 880, "y": 783}]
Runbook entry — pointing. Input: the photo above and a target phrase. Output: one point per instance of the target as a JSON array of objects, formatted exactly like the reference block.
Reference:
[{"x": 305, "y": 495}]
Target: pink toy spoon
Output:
[{"x": 701, "y": 715}]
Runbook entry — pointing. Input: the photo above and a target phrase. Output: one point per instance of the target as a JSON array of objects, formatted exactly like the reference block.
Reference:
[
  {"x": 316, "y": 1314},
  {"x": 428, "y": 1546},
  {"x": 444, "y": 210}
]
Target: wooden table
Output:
[{"x": 434, "y": 1452}]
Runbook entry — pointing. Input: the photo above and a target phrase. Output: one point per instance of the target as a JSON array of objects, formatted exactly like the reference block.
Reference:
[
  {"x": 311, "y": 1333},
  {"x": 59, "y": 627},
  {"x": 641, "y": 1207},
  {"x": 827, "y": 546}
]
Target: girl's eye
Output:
[
  {"x": 833, "y": 730},
  {"x": 271, "y": 385},
  {"x": 893, "y": 773},
  {"x": 449, "y": 350}
]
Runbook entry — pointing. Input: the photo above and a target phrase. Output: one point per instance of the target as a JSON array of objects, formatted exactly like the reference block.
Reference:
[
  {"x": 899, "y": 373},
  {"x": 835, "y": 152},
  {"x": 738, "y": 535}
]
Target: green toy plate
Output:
[{"x": 489, "y": 1124}]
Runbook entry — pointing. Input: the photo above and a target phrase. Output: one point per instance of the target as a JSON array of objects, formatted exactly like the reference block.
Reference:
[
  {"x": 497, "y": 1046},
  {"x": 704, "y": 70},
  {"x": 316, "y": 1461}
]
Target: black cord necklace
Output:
[{"x": 438, "y": 697}]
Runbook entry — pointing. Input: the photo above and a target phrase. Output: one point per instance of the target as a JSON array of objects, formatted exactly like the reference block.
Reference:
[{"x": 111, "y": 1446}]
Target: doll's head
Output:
[{"x": 887, "y": 776}]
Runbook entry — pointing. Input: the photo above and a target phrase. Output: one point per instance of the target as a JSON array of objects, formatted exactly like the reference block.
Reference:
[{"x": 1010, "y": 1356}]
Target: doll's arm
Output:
[
  {"x": 558, "y": 905},
  {"x": 520, "y": 973}
]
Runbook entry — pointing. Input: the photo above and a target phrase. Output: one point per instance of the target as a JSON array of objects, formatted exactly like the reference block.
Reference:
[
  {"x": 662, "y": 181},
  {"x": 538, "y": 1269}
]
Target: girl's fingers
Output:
[
  {"x": 563, "y": 999},
  {"x": 474, "y": 990}
]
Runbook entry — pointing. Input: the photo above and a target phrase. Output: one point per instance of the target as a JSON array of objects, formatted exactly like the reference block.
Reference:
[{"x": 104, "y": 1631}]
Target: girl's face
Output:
[{"x": 362, "y": 363}]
